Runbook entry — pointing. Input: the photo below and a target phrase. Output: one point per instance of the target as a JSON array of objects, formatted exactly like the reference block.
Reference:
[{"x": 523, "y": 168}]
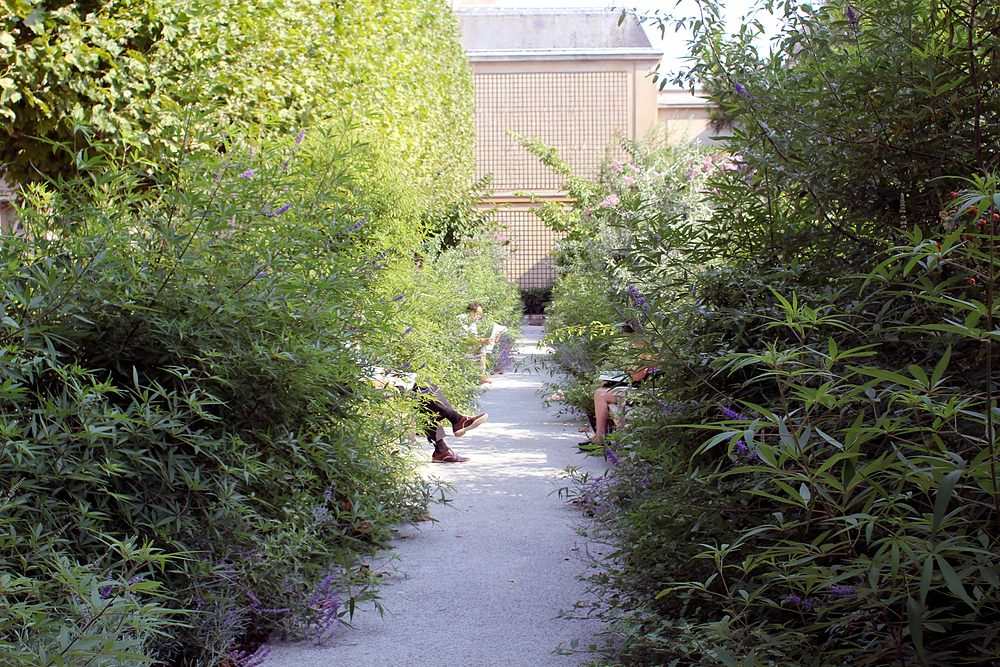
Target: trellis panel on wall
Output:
[
  {"x": 575, "y": 80},
  {"x": 576, "y": 113}
]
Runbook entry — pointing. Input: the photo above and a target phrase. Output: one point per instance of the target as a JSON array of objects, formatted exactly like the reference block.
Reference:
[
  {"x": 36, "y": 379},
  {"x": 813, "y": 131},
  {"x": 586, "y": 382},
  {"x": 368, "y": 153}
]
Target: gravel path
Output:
[{"x": 483, "y": 585}]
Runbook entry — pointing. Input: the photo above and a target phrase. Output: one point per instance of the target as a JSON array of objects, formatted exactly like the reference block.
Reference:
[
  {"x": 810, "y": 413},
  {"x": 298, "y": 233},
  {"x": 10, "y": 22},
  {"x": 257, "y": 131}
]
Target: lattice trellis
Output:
[
  {"x": 577, "y": 113},
  {"x": 531, "y": 264}
]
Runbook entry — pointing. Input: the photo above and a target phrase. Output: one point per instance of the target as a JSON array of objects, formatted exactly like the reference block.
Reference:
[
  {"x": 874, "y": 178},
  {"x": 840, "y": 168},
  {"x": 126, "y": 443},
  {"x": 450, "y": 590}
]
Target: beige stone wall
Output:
[
  {"x": 686, "y": 117},
  {"x": 576, "y": 113},
  {"x": 580, "y": 107}
]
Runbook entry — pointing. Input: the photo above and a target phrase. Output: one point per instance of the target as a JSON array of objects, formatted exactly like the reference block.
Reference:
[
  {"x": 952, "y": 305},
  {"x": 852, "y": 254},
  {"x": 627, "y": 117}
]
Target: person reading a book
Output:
[
  {"x": 482, "y": 346},
  {"x": 621, "y": 382},
  {"x": 434, "y": 406}
]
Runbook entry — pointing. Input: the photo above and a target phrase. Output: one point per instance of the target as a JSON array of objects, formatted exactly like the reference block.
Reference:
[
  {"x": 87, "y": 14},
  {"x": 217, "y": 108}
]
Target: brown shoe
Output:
[
  {"x": 467, "y": 424},
  {"x": 447, "y": 457}
]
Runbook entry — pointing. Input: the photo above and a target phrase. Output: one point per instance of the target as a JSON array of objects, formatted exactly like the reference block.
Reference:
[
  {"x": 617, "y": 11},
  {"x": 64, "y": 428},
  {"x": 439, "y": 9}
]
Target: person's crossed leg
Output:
[{"x": 434, "y": 404}]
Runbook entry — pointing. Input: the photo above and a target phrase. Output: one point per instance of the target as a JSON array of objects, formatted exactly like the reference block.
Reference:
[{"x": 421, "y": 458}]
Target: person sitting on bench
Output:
[
  {"x": 606, "y": 396},
  {"x": 433, "y": 404}
]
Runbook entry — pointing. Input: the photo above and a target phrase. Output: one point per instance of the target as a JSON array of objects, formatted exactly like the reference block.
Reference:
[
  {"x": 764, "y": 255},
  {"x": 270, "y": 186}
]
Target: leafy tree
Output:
[
  {"x": 138, "y": 73},
  {"x": 859, "y": 122}
]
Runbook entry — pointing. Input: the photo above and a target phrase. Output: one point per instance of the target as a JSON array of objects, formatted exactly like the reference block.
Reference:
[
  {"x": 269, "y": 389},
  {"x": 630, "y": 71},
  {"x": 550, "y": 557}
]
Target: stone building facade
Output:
[{"x": 574, "y": 79}]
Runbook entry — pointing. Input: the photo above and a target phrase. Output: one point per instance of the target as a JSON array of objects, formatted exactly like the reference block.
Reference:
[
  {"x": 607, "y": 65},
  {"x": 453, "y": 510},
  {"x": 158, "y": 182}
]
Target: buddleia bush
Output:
[
  {"x": 823, "y": 487},
  {"x": 428, "y": 299},
  {"x": 656, "y": 196},
  {"x": 178, "y": 370}
]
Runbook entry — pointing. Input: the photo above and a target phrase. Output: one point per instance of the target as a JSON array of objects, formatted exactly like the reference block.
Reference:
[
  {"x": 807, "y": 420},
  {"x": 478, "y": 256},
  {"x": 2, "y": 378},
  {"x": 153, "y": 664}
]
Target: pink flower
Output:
[
  {"x": 629, "y": 181},
  {"x": 609, "y": 202},
  {"x": 618, "y": 165}
]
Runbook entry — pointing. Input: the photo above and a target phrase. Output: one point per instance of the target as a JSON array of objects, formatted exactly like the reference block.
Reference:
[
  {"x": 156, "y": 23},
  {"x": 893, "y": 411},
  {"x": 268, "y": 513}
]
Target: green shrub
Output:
[
  {"x": 429, "y": 299},
  {"x": 177, "y": 371},
  {"x": 132, "y": 72},
  {"x": 813, "y": 480}
]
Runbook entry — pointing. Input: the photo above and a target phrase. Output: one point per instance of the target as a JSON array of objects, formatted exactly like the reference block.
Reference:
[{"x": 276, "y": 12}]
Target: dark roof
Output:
[{"x": 496, "y": 29}]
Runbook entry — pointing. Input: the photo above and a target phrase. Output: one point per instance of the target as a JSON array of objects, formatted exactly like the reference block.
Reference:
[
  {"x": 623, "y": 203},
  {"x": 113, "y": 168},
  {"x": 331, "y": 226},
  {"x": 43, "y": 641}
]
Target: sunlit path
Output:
[{"x": 483, "y": 586}]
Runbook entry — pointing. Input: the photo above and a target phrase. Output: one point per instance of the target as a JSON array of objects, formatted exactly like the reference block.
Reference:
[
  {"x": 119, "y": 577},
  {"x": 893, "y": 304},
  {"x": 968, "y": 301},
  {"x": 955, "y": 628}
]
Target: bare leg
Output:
[{"x": 602, "y": 397}]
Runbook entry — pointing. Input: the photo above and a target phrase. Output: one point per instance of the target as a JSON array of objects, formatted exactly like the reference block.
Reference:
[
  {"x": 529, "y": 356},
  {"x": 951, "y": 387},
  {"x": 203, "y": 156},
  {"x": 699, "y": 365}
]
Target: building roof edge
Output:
[{"x": 564, "y": 54}]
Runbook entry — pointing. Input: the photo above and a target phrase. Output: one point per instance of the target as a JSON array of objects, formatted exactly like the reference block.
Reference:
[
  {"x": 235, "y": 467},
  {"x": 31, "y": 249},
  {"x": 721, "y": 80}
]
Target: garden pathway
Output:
[{"x": 482, "y": 586}]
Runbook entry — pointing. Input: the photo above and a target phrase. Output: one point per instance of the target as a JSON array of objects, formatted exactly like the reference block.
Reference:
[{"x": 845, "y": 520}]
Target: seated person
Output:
[
  {"x": 431, "y": 402},
  {"x": 605, "y": 396},
  {"x": 474, "y": 313}
]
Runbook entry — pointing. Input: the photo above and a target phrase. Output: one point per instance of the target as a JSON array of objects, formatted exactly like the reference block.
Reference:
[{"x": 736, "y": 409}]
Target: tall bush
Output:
[
  {"x": 820, "y": 487},
  {"x": 655, "y": 198},
  {"x": 179, "y": 371},
  {"x": 129, "y": 72}
]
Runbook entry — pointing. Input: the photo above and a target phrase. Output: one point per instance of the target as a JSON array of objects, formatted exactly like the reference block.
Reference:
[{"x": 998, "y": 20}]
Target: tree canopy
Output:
[{"x": 138, "y": 72}]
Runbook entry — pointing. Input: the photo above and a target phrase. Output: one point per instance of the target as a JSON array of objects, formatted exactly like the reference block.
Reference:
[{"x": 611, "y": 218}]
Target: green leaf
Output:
[
  {"x": 829, "y": 439},
  {"x": 725, "y": 656},
  {"x": 792, "y": 493},
  {"x": 889, "y": 376},
  {"x": 926, "y": 577},
  {"x": 942, "y": 364},
  {"x": 766, "y": 454},
  {"x": 954, "y": 582},
  {"x": 712, "y": 442},
  {"x": 918, "y": 374},
  {"x": 915, "y": 621},
  {"x": 943, "y": 497},
  {"x": 36, "y": 20},
  {"x": 804, "y": 492}
]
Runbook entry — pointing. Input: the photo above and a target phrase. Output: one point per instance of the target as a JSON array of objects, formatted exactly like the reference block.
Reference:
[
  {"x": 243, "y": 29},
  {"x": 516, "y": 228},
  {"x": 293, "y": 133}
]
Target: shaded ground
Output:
[{"x": 482, "y": 586}]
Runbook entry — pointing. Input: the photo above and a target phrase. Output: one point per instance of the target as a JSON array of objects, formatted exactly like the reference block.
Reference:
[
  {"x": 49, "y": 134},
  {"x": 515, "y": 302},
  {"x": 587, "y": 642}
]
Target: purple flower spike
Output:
[
  {"x": 841, "y": 590},
  {"x": 742, "y": 92},
  {"x": 732, "y": 414},
  {"x": 802, "y": 603},
  {"x": 611, "y": 455},
  {"x": 248, "y": 173},
  {"x": 852, "y": 18},
  {"x": 399, "y": 297}
]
